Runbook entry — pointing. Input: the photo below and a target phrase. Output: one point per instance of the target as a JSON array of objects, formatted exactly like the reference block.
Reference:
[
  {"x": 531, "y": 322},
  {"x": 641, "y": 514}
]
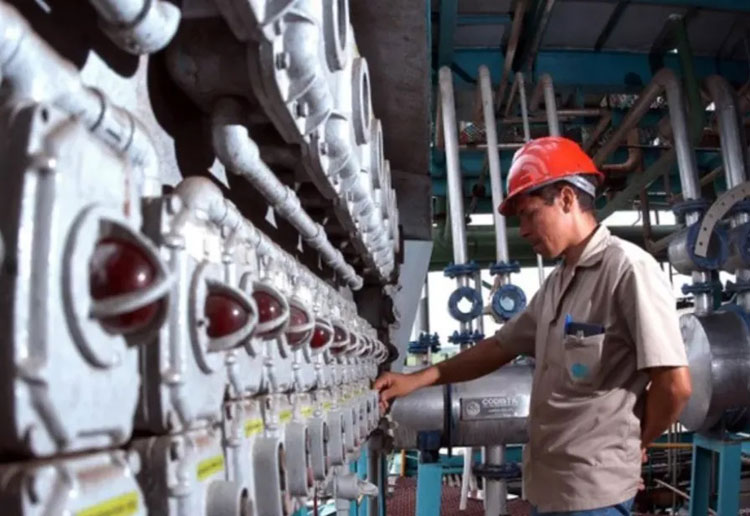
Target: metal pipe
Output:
[
  {"x": 733, "y": 157},
  {"x": 31, "y": 70},
  {"x": 546, "y": 87},
  {"x": 239, "y": 153},
  {"x": 524, "y": 106},
  {"x": 679, "y": 492},
  {"x": 527, "y": 137},
  {"x": 635, "y": 156},
  {"x": 538, "y": 33},
  {"x": 510, "y": 51},
  {"x": 493, "y": 157},
  {"x": 452, "y": 165},
  {"x": 511, "y": 96},
  {"x": 562, "y": 114},
  {"x": 664, "y": 81},
  {"x": 598, "y": 131},
  {"x": 138, "y": 26},
  {"x": 733, "y": 153},
  {"x": 201, "y": 194},
  {"x": 496, "y": 491}
]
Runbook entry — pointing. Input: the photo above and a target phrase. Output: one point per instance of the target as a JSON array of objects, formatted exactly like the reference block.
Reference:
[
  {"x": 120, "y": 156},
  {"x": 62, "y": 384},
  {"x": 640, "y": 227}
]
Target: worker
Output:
[{"x": 611, "y": 370}]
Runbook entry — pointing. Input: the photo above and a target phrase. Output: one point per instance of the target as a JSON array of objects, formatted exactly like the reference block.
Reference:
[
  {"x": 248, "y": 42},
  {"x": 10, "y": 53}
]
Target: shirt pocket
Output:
[{"x": 583, "y": 359}]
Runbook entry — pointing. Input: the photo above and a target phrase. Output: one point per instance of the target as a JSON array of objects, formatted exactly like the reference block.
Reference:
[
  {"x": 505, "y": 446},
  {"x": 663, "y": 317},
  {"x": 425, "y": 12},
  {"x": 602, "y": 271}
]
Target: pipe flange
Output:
[
  {"x": 707, "y": 287},
  {"x": 472, "y": 296},
  {"x": 506, "y": 471},
  {"x": 505, "y": 268},
  {"x": 690, "y": 206},
  {"x": 361, "y": 101},
  {"x": 460, "y": 270}
]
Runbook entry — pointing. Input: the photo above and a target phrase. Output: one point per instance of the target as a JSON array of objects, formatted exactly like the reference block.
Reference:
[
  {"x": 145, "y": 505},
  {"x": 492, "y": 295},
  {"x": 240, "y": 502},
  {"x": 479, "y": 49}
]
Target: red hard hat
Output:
[{"x": 544, "y": 161}]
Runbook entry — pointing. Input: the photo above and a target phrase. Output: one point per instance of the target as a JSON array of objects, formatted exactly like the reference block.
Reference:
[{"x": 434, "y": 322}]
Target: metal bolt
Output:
[
  {"x": 283, "y": 60},
  {"x": 303, "y": 109}
]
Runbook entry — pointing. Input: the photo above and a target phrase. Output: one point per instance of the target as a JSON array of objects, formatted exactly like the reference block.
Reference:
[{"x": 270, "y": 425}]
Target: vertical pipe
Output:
[
  {"x": 453, "y": 170},
  {"x": 733, "y": 155},
  {"x": 493, "y": 158},
  {"x": 524, "y": 106},
  {"x": 496, "y": 491},
  {"x": 550, "y": 105},
  {"x": 526, "y": 138}
]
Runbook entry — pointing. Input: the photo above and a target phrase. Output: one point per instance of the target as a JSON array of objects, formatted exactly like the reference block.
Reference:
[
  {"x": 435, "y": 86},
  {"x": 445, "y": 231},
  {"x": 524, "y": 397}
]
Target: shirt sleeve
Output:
[
  {"x": 651, "y": 314},
  {"x": 519, "y": 334}
]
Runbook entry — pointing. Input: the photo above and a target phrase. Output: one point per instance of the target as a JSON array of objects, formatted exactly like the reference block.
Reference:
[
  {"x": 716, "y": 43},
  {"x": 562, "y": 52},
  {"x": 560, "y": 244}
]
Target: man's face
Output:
[{"x": 543, "y": 226}]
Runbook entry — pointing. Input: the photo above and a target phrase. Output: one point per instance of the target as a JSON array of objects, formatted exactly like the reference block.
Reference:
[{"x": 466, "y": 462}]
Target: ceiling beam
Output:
[{"x": 448, "y": 18}]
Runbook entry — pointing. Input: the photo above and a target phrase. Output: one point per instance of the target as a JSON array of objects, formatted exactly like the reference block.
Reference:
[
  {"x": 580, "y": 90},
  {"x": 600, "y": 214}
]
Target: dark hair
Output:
[{"x": 550, "y": 192}]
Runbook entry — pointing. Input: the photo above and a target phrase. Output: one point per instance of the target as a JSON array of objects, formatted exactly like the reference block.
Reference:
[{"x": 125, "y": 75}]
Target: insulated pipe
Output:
[
  {"x": 733, "y": 156},
  {"x": 664, "y": 81},
  {"x": 733, "y": 153},
  {"x": 493, "y": 158},
  {"x": 32, "y": 70},
  {"x": 452, "y": 165},
  {"x": 239, "y": 153}
]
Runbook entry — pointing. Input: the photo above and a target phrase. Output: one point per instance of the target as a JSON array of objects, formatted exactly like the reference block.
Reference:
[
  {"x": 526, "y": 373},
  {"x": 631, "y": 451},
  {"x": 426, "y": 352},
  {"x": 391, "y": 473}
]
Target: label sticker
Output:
[
  {"x": 327, "y": 405},
  {"x": 210, "y": 466},
  {"x": 253, "y": 426},
  {"x": 285, "y": 416},
  {"x": 307, "y": 411},
  {"x": 494, "y": 407},
  {"x": 123, "y": 505}
]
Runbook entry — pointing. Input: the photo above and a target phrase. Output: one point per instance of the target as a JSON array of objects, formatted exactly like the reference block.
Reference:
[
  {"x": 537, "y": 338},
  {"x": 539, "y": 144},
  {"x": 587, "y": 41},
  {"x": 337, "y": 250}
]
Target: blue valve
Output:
[
  {"x": 507, "y": 301},
  {"x": 459, "y": 295}
]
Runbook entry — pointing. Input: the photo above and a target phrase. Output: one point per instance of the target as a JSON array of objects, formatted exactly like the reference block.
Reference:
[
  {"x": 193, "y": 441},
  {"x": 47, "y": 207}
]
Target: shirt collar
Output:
[{"x": 594, "y": 250}]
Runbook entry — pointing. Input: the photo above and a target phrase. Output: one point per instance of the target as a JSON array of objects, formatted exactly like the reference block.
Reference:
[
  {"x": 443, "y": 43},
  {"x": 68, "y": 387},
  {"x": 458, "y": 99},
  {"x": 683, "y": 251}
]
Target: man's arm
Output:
[
  {"x": 479, "y": 360},
  {"x": 667, "y": 395}
]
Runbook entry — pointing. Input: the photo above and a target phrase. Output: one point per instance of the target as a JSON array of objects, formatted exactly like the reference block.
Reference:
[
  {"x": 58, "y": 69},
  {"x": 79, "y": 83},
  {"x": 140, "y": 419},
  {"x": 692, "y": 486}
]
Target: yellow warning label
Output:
[
  {"x": 307, "y": 411},
  {"x": 253, "y": 426},
  {"x": 285, "y": 416},
  {"x": 327, "y": 405},
  {"x": 210, "y": 466},
  {"x": 123, "y": 505}
]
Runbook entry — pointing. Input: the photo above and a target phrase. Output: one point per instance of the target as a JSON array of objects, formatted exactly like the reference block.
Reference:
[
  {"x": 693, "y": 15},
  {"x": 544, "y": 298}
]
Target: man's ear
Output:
[{"x": 567, "y": 198}]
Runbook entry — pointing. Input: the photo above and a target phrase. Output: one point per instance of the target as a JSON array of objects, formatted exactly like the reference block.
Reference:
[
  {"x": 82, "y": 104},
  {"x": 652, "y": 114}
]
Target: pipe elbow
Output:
[
  {"x": 12, "y": 31},
  {"x": 143, "y": 29},
  {"x": 202, "y": 195},
  {"x": 231, "y": 139}
]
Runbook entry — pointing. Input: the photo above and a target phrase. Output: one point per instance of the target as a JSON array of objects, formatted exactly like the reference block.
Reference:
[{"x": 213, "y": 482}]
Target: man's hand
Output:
[
  {"x": 396, "y": 385},
  {"x": 483, "y": 358},
  {"x": 667, "y": 395}
]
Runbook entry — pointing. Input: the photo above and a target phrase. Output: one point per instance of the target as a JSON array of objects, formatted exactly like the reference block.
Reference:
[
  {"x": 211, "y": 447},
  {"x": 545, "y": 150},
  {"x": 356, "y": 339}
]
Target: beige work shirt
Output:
[{"x": 588, "y": 391}]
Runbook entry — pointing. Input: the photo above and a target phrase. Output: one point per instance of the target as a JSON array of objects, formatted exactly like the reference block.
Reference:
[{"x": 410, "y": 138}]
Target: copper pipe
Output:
[
  {"x": 635, "y": 157},
  {"x": 598, "y": 131}
]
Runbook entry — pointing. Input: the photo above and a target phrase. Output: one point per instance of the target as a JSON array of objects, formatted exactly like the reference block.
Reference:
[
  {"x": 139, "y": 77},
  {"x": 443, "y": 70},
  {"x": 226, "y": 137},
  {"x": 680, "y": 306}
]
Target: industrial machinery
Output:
[{"x": 181, "y": 335}]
